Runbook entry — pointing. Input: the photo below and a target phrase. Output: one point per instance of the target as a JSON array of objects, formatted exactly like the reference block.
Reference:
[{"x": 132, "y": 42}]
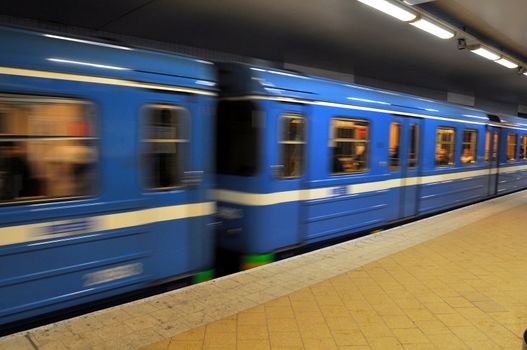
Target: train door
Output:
[
  {"x": 166, "y": 140},
  {"x": 166, "y": 151},
  {"x": 492, "y": 141},
  {"x": 410, "y": 165},
  {"x": 289, "y": 173}
]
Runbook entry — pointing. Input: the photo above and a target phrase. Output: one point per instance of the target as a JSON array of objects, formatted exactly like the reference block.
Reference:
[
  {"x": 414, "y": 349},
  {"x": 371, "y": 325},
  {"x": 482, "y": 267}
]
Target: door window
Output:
[
  {"x": 395, "y": 141},
  {"x": 292, "y": 142},
  {"x": 495, "y": 146},
  {"x": 523, "y": 147},
  {"x": 238, "y": 138},
  {"x": 414, "y": 144},
  {"x": 165, "y": 146},
  {"x": 487, "y": 146}
]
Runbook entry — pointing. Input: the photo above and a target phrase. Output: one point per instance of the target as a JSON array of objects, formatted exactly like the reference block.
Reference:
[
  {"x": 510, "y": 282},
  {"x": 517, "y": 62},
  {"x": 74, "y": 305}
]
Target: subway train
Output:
[{"x": 123, "y": 168}]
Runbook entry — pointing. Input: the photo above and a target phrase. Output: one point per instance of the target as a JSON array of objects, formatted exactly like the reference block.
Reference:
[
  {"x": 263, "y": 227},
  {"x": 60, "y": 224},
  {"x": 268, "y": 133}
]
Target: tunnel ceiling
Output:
[{"x": 338, "y": 35}]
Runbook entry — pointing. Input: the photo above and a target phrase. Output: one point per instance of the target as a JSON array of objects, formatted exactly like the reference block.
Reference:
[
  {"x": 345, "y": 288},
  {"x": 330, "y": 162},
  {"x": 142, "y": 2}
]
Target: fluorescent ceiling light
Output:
[
  {"x": 507, "y": 63},
  {"x": 87, "y": 42},
  {"x": 391, "y": 9},
  {"x": 96, "y": 65},
  {"x": 433, "y": 29},
  {"x": 488, "y": 54},
  {"x": 483, "y": 52}
]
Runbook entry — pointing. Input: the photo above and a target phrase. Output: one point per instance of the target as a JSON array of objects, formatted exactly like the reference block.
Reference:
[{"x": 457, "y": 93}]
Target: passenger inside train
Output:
[
  {"x": 466, "y": 157},
  {"x": 17, "y": 179},
  {"x": 442, "y": 157}
]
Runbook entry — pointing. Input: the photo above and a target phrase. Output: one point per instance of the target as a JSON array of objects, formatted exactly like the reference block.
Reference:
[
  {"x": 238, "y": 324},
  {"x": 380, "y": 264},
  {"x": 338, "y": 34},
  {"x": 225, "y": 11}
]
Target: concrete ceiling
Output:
[{"x": 339, "y": 35}]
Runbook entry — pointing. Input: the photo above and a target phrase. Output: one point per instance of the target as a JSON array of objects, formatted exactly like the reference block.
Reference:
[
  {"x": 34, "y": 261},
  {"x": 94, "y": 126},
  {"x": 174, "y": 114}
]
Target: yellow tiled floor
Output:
[{"x": 463, "y": 290}]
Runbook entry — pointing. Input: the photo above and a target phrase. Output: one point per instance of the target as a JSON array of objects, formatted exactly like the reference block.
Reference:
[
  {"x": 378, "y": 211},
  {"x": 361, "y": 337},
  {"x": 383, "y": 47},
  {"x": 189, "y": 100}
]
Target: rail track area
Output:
[{"x": 452, "y": 281}]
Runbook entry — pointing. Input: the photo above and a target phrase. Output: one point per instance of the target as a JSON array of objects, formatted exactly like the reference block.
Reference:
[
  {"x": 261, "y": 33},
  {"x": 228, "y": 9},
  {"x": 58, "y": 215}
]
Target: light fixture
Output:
[
  {"x": 391, "y": 9},
  {"x": 506, "y": 63},
  {"x": 484, "y": 52},
  {"x": 493, "y": 56},
  {"x": 433, "y": 28}
]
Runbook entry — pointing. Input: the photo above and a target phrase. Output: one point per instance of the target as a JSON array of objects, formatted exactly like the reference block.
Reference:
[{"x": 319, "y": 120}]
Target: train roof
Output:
[
  {"x": 512, "y": 120},
  {"x": 24, "y": 49},
  {"x": 241, "y": 79}
]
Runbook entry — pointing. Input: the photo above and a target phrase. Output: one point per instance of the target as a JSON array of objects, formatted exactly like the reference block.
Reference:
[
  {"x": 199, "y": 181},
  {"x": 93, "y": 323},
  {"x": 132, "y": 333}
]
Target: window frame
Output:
[
  {"x": 281, "y": 142},
  {"x": 94, "y": 120},
  {"x": 454, "y": 143},
  {"x": 187, "y": 160},
  {"x": 332, "y": 141},
  {"x": 475, "y": 144}
]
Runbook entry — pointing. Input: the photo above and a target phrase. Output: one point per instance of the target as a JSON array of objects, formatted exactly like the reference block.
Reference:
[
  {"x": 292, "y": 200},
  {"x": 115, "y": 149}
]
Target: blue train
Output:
[
  {"x": 105, "y": 171},
  {"x": 303, "y": 160},
  {"x": 107, "y": 180}
]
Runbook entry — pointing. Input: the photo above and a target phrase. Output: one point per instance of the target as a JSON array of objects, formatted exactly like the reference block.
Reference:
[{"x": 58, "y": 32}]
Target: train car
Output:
[
  {"x": 105, "y": 167},
  {"x": 511, "y": 162},
  {"x": 302, "y": 160}
]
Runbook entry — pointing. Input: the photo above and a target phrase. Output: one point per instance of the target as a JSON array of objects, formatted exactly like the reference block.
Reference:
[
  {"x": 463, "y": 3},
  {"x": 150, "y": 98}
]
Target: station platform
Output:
[{"x": 451, "y": 281}]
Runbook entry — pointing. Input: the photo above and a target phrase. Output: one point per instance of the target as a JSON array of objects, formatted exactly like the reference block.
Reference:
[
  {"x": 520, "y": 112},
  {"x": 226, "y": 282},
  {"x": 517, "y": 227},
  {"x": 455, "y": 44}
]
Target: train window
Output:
[
  {"x": 165, "y": 146},
  {"x": 469, "y": 147},
  {"x": 292, "y": 143},
  {"x": 238, "y": 138},
  {"x": 512, "y": 141},
  {"x": 414, "y": 142},
  {"x": 487, "y": 146},
  {"x": 349, "y": 141},
  {"x": 445, "y": 146},
  {"x": 523, "y": 147},
  {"x": 495, "y": 144},
  {"x": 48, "y": 149},
  {"x": 395, "y": 141}
]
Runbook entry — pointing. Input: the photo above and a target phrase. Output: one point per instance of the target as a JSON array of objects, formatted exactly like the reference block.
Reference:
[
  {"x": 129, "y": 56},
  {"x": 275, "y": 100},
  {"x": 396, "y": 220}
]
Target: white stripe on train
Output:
[
  {"x": 260, "y": 199},
  {"x": 65, "y": 228},
  {"x": 56, "y": 230}
]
